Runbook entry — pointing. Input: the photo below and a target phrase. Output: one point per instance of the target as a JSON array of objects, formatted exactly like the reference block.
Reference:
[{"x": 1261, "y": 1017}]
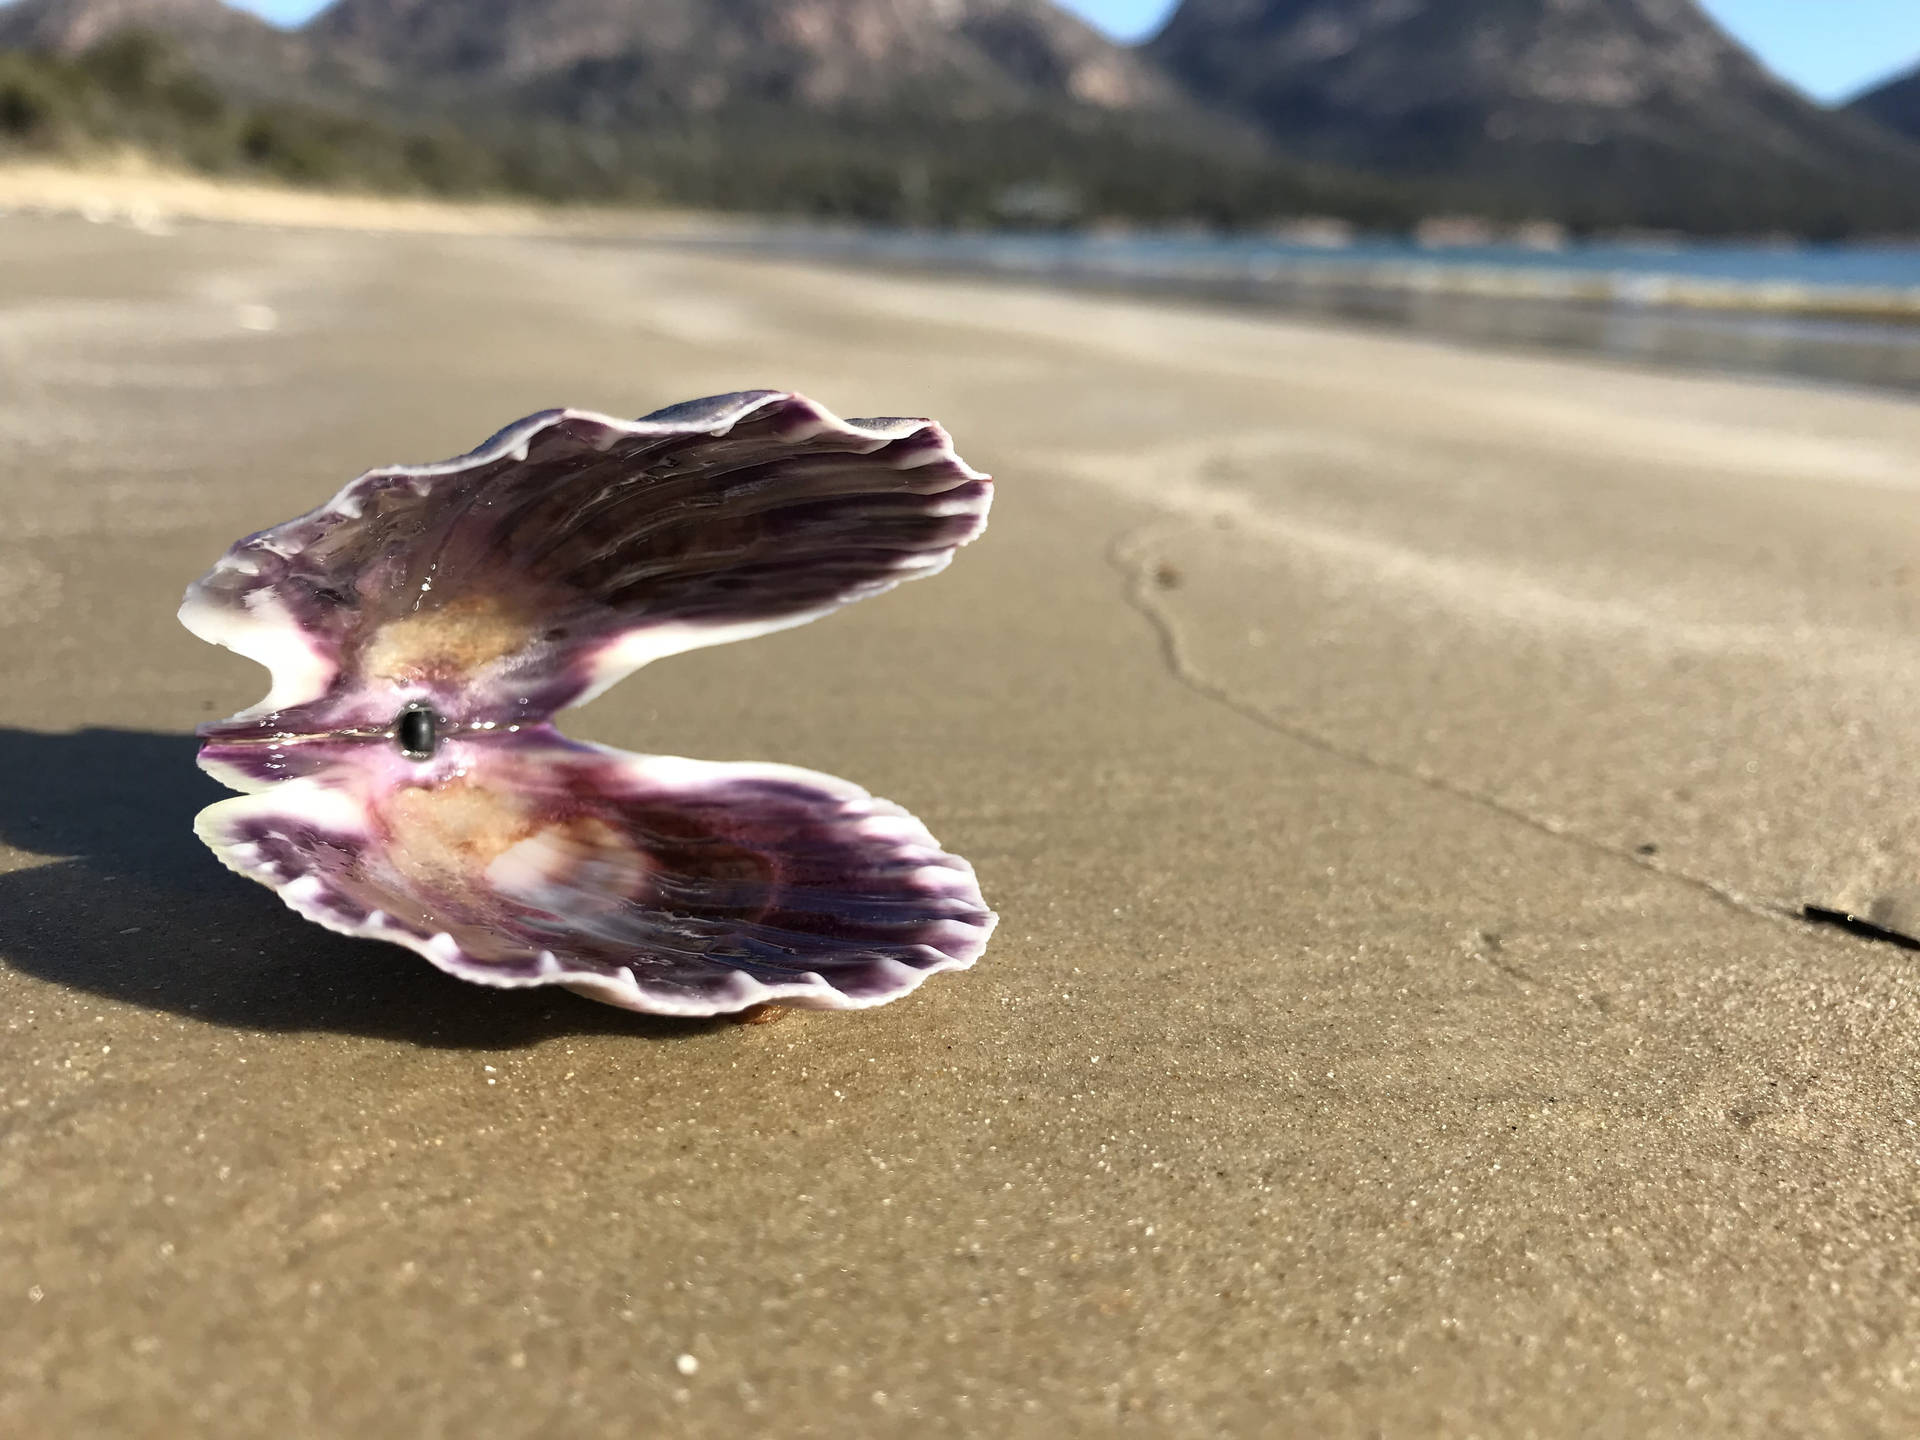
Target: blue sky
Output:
[{"x": 1830, "y": 48}]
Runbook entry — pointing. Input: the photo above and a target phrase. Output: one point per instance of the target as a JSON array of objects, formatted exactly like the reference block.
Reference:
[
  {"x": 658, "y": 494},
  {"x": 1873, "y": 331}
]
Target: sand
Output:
[
  {"x": 1398, "y": 768},
  {"x": 132, "y": 189}
]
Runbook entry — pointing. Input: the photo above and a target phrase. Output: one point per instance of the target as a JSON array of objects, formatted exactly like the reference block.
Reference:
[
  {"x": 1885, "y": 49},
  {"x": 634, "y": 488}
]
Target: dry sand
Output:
[
  {"x": 132, "y": 189},
  {"x": 1342, "y": 1066}
]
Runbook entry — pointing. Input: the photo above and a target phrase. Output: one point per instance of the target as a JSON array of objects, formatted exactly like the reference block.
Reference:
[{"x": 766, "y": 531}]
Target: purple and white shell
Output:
[{"x": 404, "y": 781}]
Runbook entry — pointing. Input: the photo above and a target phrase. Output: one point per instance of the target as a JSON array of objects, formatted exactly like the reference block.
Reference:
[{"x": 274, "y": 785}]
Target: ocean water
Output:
[{"x": 1846, "y": 313}]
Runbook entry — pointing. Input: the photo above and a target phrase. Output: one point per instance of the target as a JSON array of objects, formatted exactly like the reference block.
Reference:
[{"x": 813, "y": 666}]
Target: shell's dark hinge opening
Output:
[{"x": 417, "y": 733}]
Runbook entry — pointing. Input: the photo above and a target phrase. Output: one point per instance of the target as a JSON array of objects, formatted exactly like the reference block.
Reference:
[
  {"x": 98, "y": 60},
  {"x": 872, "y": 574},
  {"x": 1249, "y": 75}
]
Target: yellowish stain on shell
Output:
[
  {"x": 446, "y": 835},
  {"x": 474, "y": 845},
  {"x": 459, "y": 638}
]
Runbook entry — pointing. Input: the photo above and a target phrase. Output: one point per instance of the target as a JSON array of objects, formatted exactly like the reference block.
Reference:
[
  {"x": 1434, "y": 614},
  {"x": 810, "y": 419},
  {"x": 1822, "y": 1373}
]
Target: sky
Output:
[{"x": 1830, "y": 48}]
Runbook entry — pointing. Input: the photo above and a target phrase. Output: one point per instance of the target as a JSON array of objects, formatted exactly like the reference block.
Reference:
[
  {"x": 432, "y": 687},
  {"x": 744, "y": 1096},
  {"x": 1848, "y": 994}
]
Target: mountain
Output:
[
  {"x": 929, "y": 112},
  {"x": 1601, "y": 112},
  {"x": 67, "y": 27},
  {"x": 1896, "y": 104},
  {"x": 190, "y": 83},
  {"x": 233, "y": 47},
  {"x": 922, "y": 111},
  {"x": 702, "y": 56}
]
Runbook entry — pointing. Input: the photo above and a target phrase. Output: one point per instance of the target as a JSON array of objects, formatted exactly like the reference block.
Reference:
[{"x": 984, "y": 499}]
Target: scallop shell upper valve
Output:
[{"x": 404, "y": 781}]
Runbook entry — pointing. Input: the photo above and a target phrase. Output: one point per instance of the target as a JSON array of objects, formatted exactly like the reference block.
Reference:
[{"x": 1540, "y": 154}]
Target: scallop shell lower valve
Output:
[{"x": 404, "y": 781}]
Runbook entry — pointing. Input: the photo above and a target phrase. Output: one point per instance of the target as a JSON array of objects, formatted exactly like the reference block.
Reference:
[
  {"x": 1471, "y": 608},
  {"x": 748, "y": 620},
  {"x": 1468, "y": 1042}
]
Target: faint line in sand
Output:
[
  {"x": 1469, "y": 589},
  {"x": 1130, "y": 555}
]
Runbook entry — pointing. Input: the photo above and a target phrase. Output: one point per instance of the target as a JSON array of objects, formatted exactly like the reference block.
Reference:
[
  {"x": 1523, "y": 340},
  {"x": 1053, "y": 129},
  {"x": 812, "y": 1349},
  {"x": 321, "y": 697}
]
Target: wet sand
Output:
[{"x": 1398, "y": 768}]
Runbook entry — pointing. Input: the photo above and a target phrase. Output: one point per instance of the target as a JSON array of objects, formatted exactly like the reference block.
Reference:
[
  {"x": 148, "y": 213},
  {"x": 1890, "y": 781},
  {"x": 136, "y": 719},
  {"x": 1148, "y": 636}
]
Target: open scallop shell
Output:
[{"x": 404, "y": 782}]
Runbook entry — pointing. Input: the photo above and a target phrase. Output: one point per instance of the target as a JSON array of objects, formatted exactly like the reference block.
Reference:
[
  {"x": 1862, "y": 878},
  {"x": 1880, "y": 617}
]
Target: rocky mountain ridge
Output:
[
  {"x": 1646, "y": 105},
  {"x": 1894, "y": 105},
  {"x": 706, "y": 55}
]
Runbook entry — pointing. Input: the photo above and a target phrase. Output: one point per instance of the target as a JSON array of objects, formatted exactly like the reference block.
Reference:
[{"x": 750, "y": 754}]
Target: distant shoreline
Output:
[
  {"x": 1676, "y": 275},
  {"x": 1851, "y": 334},
  {"x": 1861, "y": 335}
]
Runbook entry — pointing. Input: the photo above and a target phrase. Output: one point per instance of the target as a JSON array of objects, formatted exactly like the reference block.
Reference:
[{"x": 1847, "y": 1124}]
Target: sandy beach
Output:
[
  {"x": 1399, "y": 768},
  {"x": 131, "y": 189}
]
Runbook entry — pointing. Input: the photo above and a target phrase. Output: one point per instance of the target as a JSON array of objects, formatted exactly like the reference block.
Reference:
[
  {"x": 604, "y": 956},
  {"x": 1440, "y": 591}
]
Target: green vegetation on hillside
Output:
[
  {"x": 133, "y": 91},
  {"x": 1029, "y": 169}
]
